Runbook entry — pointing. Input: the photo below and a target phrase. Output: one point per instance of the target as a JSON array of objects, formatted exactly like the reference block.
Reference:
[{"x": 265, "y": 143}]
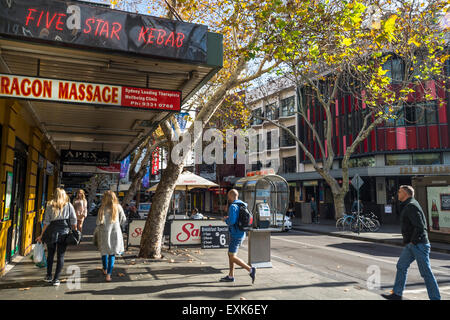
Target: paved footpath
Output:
[{"x": 190, "y": 274}]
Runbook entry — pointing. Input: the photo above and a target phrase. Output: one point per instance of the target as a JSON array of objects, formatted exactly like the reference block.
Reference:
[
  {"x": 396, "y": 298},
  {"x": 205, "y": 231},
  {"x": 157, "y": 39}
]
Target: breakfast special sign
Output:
[
  {"x": 23, "y": 87},
  {"x": 81, "y": 25}
]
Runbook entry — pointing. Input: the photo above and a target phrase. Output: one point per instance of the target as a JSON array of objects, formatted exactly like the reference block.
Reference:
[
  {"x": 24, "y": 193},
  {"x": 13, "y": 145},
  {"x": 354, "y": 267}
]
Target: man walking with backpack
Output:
[{"x": 237, "y": 235}]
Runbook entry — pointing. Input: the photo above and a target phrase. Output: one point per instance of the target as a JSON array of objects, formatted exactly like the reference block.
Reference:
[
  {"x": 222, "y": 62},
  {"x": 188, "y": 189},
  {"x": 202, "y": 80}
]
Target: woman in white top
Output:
[
  {"x": 80, "y": 205},
  {"x": 57, "y": 213},
  {"x": 109, "y": 234}
]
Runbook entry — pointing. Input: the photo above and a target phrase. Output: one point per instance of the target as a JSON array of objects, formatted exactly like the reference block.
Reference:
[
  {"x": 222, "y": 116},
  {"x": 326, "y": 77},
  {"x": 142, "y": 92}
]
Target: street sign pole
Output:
[
  {"x": 357, "y": 196},
  {"x": 357, "y": 182}
]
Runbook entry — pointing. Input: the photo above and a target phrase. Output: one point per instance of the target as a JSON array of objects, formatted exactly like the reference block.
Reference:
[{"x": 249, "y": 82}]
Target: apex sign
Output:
[{"x": 88, "y": 158}]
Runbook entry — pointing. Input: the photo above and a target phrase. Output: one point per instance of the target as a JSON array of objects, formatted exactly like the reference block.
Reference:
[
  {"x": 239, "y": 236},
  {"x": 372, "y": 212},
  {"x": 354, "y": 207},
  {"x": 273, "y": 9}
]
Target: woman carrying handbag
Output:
[
  {"x": 108, "y": 234},
  {"x": 58, "y": 217}
]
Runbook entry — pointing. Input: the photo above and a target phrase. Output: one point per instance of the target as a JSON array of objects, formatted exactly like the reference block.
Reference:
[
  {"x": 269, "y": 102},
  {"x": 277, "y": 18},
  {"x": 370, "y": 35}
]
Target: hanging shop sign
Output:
[
  {"x": 79, "y": 157},
  {"x": 50, "y": 168},
  {"x": 23, "y": 87},
  {"x": 86, "y": 26}
]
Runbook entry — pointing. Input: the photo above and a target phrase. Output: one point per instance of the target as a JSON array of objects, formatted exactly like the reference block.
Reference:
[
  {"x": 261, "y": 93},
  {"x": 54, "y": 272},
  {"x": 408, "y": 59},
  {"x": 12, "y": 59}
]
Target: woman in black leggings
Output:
[{"x": 59, "y": 213}]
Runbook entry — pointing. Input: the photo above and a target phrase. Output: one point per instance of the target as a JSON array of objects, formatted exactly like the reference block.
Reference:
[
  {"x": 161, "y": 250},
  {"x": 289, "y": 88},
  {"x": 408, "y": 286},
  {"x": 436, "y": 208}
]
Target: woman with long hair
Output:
[
  {"x": 59, "y": 215},
  {"x": 109, "y": 234},
  {"x": 80, "y": 205}
]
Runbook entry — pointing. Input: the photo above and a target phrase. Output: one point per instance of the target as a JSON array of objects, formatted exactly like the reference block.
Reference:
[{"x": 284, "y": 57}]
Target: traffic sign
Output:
[{"x": 357, "y": 182}]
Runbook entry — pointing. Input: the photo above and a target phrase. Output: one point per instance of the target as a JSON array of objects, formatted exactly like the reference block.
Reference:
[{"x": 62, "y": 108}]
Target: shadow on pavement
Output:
[
  {"x": 368, "y": 248},
  {"x": 220, "y": 293}
]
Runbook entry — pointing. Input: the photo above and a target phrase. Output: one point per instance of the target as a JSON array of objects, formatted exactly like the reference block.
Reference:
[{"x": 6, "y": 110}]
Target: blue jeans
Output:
[
  {"x": 108, "y": 263},
  {"x": 421, "y": 253}
]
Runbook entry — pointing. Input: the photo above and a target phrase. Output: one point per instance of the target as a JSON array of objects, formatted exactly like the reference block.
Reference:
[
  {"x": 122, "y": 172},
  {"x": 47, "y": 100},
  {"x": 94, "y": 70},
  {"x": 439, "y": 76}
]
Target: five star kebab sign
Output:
[
  {"x": 87, "y": 26},
  {"x": 23, "y": 87}
]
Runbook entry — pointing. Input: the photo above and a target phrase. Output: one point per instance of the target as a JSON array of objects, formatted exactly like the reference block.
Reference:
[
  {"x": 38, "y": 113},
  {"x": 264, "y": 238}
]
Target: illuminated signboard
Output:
[
  {"x": 23, "y": 87},
  {"x": 82, "y": 25}
]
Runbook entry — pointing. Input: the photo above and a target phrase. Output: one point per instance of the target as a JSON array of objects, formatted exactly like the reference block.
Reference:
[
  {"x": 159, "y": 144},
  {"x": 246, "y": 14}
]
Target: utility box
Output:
[{"x": 306, "y": 213}]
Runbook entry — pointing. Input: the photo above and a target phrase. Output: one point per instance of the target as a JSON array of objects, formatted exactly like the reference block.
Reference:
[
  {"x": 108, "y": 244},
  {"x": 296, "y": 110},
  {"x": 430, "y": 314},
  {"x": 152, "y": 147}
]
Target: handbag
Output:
[{"x": 73, "y": 237}]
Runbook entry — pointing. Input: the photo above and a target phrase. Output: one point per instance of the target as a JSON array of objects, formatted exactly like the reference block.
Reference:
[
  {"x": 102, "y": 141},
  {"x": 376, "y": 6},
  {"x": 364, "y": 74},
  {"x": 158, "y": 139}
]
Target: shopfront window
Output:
[
  {"x": 413, "y": 159},
  {"x": 427, "y": 158},
  {"x": 398, "y": 159},
  {"x": 362, "y": 162}
]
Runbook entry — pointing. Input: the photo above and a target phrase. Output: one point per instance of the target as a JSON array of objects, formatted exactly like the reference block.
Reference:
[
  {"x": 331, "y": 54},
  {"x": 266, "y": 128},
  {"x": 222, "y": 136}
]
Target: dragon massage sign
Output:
[
  {"x": 86, "y": 26},
  {"x": 22, "y": 87}
]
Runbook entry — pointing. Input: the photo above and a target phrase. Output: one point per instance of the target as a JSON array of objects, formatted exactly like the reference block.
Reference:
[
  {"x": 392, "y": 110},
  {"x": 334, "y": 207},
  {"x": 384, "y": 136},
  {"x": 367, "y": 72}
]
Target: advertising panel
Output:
[
  {"x": 8, "y": 194},
  {"x": 46, "y": 89},
  {"x": 187, "y": 232},
  {"x": 439, "y": 209}
]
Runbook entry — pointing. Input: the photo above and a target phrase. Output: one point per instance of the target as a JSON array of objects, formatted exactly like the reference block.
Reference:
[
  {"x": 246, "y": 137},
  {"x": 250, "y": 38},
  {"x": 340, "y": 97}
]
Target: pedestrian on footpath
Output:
[
  {"x": 80, "y": 205},
  {"x": 58, "y": 214},
  {"x": 417, "y": 248},
  {"x": 108, "y": 234},
  {"x": 314, "y": 211},
  {"x": 237, "y": 237}
]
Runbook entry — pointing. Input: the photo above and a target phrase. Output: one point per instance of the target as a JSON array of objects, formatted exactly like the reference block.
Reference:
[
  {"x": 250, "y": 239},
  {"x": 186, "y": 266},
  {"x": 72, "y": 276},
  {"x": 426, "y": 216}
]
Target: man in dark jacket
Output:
[{"x": 417, "y": 248}]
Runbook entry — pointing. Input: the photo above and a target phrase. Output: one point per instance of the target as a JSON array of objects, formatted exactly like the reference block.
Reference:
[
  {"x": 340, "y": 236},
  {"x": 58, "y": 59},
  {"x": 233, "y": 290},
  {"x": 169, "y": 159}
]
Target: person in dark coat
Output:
[
  {"x": 415, "y": 237},
  {"x": 58, "y": 213}
]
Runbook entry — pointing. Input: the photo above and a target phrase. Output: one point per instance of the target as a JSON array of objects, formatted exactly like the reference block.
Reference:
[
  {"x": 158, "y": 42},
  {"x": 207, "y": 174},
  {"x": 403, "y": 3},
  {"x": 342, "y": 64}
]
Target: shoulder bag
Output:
[{"x": 73, "y": 237}]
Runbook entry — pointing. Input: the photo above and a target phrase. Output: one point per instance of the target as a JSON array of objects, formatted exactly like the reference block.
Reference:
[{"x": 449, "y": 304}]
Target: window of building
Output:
[
  {"x": 269, "y": 140},
  {"x": 361, "y": 162},
  {"x": 426, "y": 112},
  {"x": 398, "y": 117},
  {"x": 427, "y": 158},
  {"x": 272, "y": 111},
  {"x": 398, "y": 159},
  {"x": 289, "y": 165},
  {"x": 394, "y": 69},
  {"x": 288, "y": 106},
  {"x": 410, "y": 114},
  {"x": 286, "y": 139},
  {"x": 257, "y": 113}
]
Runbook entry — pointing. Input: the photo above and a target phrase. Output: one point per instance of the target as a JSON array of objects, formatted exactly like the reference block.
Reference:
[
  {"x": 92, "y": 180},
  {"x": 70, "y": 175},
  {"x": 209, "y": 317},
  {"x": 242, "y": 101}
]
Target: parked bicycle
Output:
[
  {"x": 345, "y": 221},
  {"x": 368, "y": 222}
]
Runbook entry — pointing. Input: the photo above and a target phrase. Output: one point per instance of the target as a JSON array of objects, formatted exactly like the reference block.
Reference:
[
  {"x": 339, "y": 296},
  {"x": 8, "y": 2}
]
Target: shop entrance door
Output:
[{"x": 18, "y": 201}]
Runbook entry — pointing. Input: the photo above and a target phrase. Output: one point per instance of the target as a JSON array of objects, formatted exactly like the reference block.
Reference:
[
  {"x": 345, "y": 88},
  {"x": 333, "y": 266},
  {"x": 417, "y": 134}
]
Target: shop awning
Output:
[{"x": 34, "y": 45}]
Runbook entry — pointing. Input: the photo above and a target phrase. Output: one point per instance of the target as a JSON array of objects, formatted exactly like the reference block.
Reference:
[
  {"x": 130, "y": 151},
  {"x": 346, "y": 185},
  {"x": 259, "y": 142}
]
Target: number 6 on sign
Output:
[{"x": 223, "y": 240}]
